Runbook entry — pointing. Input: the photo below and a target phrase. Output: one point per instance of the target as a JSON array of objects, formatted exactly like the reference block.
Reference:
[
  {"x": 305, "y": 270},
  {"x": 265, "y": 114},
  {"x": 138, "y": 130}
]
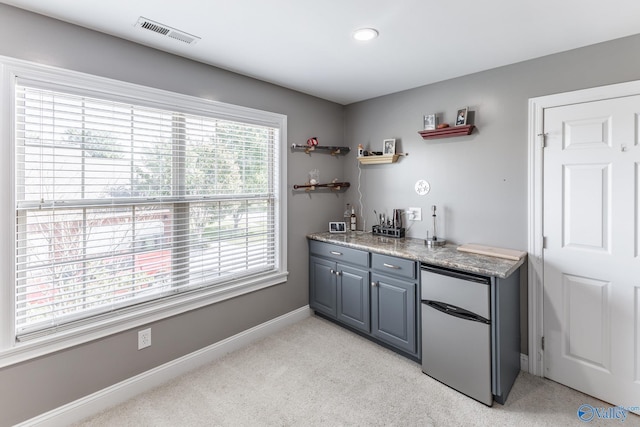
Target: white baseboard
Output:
[
  {"x": 524, "y": 362},
  {"x": 129, "y": 388}
]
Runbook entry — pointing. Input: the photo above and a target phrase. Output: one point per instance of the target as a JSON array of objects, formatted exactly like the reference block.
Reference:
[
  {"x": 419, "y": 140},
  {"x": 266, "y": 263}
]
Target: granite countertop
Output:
[{"x": 415, "y": 249}]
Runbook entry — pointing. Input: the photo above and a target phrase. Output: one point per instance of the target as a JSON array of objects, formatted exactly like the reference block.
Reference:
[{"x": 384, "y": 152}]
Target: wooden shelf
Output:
[
  {"x": 378, "y": 160},
  {"x": 447, "y": 132},
  {"x": 333, "y": 149}
]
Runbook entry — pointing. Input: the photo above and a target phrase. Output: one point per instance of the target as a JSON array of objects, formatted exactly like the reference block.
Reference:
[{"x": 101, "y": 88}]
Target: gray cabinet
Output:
[
  {"x": 324, "y": 290},
  {"x": 379, "y": 301},
  {"x": 353, "y": 297},
  {"x": 394, "y": 301},
  {"x": 393, "y": 312},
  {"x": 339, "y": 284}
]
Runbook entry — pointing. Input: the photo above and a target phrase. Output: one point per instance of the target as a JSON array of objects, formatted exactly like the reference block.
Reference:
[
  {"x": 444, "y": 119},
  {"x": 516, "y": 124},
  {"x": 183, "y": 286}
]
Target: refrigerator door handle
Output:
[
  {"x": 455, "y": 311},
  {"x": 455, "y": 274}
]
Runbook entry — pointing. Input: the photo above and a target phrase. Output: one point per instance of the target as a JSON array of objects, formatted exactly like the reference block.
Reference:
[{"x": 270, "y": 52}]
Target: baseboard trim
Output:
[
  {"x": 524, "y": 362},
  {"x": 131, "y": 387}
]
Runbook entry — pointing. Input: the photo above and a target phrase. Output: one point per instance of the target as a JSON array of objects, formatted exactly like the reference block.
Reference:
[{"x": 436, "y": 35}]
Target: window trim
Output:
[{"x": 12, "y": 351}]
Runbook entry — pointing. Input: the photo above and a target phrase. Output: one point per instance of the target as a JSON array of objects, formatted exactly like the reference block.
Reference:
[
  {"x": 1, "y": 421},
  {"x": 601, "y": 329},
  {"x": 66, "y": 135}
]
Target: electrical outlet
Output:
[
  {"x": 414, "y": 214},
  {"x": 144, "y": 338}
]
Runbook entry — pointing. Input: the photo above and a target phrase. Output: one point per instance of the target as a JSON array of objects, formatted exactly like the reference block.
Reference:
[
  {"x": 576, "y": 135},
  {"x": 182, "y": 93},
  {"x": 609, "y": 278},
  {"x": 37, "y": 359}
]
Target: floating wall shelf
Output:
[
  {"x": 333, "y": 186},
  {"x": 447, "y": 132},
  {"x": 333, "y": 149},
  {"x": 378, "y": 160}
]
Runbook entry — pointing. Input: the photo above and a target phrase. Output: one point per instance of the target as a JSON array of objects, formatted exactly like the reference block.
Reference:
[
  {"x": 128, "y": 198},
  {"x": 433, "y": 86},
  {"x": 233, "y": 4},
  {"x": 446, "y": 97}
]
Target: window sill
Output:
[{"x": 136, "y": 317}]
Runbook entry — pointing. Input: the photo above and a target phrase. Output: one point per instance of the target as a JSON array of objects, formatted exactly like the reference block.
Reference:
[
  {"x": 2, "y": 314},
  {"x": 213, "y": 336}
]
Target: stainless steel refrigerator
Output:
[{"x": 461, "y": 342}]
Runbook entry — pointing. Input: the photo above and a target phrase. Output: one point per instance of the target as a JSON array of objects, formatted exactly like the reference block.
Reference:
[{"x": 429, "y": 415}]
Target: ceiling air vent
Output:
[{"x": 165, "y": 30}]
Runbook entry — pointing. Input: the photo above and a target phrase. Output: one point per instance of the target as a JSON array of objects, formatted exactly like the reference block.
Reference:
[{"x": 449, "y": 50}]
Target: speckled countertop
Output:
[{"x": 415, "y": 249}]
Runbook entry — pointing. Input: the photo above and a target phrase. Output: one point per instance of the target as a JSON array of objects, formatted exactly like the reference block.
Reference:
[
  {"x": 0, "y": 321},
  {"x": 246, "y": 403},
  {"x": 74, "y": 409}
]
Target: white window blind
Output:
[{"x": 120, "y": 203}]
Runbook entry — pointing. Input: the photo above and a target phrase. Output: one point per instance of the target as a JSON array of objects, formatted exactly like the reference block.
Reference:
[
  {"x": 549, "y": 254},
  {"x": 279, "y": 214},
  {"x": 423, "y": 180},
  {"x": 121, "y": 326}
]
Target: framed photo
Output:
[
  {"x": 461, "y": 117},
  {"x": 430, "y": 122},
  {"x": 389, "y": 147},
  {"x": 337, "y": 227}
]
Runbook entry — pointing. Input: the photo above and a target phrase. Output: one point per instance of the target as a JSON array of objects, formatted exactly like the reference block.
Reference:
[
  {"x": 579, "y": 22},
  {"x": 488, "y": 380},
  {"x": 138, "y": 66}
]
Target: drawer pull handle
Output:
[
  {"x": 391, "y": 266},
  {"x": 335, "y": 253}
]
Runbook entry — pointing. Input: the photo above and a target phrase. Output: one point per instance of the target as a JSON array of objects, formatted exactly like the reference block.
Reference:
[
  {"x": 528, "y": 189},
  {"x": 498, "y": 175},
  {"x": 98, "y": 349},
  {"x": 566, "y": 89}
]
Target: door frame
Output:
[{"x": 535, "y": 197}]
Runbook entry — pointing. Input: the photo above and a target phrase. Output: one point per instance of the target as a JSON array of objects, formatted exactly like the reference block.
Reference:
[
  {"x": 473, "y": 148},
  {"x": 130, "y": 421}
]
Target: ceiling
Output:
[{"x": 307, "y": 45}]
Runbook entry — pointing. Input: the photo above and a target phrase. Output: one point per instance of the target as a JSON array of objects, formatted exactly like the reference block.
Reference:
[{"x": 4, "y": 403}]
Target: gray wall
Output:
[
  {"x": 478, "y": 182},
  {"x": 36, "y": 386}
]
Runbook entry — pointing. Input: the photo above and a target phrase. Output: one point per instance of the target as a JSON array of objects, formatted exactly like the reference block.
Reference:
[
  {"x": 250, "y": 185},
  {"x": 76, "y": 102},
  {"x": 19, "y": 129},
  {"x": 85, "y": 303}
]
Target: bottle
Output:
[
  {"x": 353, "y": 219},
  {"x": 360, "y": 150}
]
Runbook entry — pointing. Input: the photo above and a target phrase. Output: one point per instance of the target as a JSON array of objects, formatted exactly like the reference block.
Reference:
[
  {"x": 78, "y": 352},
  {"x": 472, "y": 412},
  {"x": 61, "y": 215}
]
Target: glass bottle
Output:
[
  {"x": 347, "y": 213},
  {"x": 353, "y": 219}
]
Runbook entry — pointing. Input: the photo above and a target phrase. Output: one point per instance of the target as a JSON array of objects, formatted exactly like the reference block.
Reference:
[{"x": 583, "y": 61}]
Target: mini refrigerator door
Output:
[
  {"x": 457, "y": 352},
  {"x": 456, "y": 331}
]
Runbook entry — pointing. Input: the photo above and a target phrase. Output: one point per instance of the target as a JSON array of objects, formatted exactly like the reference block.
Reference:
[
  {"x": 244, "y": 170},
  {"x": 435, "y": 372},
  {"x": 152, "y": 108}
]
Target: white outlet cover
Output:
[
  {"x": 414, "y": 214},
  {"x": 422, "y": 187},
  {"x": 144, "y": 338}
]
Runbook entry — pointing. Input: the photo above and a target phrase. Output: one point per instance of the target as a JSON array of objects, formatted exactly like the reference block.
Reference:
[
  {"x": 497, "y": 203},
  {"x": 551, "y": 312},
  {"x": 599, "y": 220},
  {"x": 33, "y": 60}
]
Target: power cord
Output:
[{"x": 364, "y": 221}]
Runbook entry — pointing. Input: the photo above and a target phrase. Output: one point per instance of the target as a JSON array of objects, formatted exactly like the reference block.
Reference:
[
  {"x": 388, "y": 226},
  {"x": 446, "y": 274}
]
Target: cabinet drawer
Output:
[
  {"x": 339, "y": 253},
  {"x": 394, "y": 266}
]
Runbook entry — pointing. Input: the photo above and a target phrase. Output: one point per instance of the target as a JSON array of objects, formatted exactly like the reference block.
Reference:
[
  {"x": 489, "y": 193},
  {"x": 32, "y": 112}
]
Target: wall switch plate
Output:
[
  {"x": 414, "y": 214},
  {"x": 144, "y": 338}
]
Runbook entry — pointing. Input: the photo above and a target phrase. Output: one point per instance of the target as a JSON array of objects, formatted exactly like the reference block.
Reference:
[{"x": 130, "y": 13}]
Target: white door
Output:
[{"x": 591, "y": 224}]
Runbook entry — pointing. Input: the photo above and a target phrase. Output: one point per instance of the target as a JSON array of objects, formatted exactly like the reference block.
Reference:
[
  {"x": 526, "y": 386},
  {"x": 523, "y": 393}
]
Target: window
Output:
[{"x": 126, "y": 197}]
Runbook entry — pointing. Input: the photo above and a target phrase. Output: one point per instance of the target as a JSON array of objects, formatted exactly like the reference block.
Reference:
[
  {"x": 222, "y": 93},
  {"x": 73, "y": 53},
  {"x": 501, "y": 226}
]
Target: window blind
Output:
[{"x": 120, "y": 203}]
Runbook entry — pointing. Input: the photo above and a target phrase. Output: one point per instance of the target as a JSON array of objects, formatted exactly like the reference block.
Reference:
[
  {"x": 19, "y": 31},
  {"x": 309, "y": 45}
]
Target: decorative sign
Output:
[{"x": 422, "y": 187}]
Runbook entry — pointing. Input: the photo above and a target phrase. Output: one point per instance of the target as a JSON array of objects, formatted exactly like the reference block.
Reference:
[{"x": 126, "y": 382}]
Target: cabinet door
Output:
[
  {"x": 393, "y": 312},
  {"x": 353, "y": 297},
  {"x": 323, "y": 286}
]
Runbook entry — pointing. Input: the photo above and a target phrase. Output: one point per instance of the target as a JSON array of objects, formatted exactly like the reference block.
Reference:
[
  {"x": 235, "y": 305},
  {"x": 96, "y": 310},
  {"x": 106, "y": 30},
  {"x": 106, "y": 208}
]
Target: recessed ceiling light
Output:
[{"x": 365, "y": 34}]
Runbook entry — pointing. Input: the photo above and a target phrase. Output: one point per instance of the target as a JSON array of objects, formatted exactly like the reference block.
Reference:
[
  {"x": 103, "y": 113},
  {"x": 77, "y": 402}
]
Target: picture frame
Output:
[
  {"x": 461, "y": 116},
  {"x": 430, "y": 121},
  {"x": 389, "y": 147},
  {"x": 337, "y": 227}
]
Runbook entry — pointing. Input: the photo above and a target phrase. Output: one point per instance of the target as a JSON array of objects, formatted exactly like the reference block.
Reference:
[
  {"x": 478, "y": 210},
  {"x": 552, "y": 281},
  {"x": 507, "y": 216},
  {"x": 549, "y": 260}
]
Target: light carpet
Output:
[{"x": 315, "y": 373}]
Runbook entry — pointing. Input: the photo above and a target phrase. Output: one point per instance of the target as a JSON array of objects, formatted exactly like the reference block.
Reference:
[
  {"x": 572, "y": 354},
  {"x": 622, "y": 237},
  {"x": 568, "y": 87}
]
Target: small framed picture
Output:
[
  {"x": 389, "y": 146},
  {"x": 337, "y": 227},
  {"x": 461, "y": 117},
  {"x": 430, "y": 122}
]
